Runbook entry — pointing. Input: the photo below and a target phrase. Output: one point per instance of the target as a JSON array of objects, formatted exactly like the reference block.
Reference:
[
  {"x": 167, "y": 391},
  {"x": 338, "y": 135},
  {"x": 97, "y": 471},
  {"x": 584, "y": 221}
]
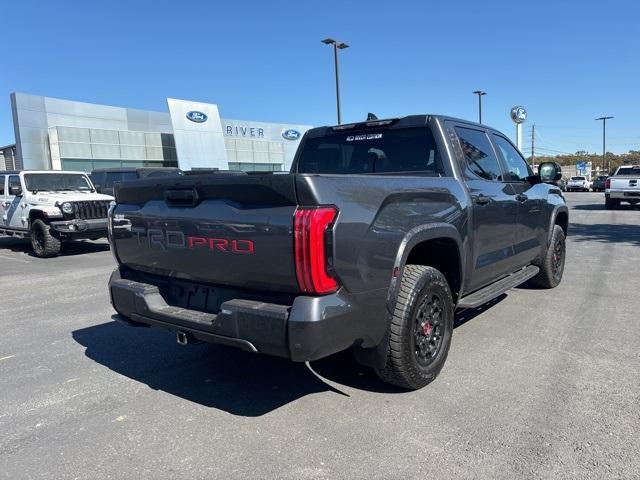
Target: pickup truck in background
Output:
[
  {"x": 623, "y": 186},
  {"x": 379, "y": 232}
]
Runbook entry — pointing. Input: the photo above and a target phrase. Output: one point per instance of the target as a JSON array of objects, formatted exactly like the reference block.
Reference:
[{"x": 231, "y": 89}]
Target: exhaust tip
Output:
[{"x": 182, "y": 338}]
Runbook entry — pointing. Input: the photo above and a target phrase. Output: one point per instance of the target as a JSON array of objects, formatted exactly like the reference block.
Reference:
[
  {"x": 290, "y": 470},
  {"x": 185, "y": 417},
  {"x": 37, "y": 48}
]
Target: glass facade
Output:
[
  {"x": 255, "y": 167},
  {"x": 254, "y": 155},
  {"x": 86, "y": 149}
]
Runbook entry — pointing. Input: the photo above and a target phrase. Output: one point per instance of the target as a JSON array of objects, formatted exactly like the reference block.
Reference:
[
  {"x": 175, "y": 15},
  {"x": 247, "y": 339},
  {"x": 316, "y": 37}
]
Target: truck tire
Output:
[
  {"x": 420, "y": 330},
  {"x": 611, "y": 203},
  {"x": 43, "y": 243},
  {"x": 552, "y": 266}
]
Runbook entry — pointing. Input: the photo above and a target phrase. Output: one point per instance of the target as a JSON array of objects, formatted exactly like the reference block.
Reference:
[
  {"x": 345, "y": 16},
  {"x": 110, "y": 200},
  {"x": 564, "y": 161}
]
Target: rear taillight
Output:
[
  {"x": 607, "y": 183},
  {"x": 313, "y": 251}
]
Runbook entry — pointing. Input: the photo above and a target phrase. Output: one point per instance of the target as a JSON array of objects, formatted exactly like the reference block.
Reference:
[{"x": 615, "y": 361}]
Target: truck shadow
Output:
[
  {"x": 600, "y": 206},
  {"x": 69, "y": 249},
  {"x": 605, "y": 233},
  {"x": 226, "y": 378},
  {"x": 214, "y": 376}
]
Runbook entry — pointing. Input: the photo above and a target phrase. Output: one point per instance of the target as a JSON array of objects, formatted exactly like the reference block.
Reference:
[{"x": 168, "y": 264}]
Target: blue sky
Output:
[{"x": 567, "y": 62}]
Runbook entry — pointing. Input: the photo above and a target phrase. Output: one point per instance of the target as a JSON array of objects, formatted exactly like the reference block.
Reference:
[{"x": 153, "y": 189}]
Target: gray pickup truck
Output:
[{"x": 379, "y": 232}]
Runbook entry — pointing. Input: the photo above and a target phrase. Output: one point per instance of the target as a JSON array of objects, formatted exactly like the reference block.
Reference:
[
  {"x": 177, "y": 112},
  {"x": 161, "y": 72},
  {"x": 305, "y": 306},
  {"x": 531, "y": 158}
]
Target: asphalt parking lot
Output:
[{"x": 538, "y": 384}]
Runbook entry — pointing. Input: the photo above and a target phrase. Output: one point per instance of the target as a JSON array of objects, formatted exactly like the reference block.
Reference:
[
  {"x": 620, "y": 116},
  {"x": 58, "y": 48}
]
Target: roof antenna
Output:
[{"x": 371, "y": 116}]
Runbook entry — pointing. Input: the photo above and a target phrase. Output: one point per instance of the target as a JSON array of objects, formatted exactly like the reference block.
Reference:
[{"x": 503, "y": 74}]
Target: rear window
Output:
[
  {"x": 162, "y": 173},
  {"x": 577, "y": 178},
  {"x": 408, "y": 150},
  {"x": 115, "y": 177},
  {"x": 128, "y": 177},
  {"x": 629, "y": 171}
]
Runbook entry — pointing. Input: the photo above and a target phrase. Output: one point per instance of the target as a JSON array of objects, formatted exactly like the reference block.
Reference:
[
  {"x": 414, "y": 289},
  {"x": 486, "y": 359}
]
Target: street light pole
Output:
[
  {"x": 480, "y": 93},
  {"x": 336, "y": 46},
  {"x": 604, "y": 138}
]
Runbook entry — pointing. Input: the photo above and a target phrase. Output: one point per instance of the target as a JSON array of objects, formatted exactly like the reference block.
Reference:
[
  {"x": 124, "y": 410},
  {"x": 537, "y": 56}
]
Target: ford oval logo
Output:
[
  {"x": 291, "y": 134},
  {"x": 196, "y": 116}
]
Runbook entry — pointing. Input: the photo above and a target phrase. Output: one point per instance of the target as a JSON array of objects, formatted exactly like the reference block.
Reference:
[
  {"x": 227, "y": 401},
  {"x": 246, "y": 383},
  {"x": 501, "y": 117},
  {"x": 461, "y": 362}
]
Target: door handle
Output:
[
  {"x": 481, "y": 199},
  {"x": 521, "y": 197}
]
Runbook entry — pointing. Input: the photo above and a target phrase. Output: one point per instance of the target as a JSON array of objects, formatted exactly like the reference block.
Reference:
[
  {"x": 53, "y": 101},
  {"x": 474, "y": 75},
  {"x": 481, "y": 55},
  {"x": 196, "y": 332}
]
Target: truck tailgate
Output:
[
  {"x": 215, "y": 229},
  {"x": 626, "y": 183}
]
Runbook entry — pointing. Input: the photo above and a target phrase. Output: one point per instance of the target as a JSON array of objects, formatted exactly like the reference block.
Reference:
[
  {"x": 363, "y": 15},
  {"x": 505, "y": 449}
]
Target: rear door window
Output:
[
  {"x": 406, "y": 150},
  {"x": 1, "y": 185},
  {"x": 480, "y": 159}
]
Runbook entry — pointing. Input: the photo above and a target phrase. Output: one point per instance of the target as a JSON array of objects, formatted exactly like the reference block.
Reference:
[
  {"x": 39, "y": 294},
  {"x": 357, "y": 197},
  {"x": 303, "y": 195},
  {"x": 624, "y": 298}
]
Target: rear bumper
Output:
[
  {"x": 309, "y": 329},
  {"x": 81, "y": 228},
  {"x": 623, "y": 194}
]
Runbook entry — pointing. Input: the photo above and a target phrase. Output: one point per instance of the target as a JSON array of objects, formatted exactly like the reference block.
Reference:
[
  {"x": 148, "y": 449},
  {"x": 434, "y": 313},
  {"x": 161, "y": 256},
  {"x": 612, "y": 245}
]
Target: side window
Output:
[
  {"x": 1, "y": 184},
  {"x": 128, "y": 177},
  {"x": 111, "y": 177},
  {"x": 480, "y": 159},
  {"x": 98, "y": 178},
  {"x": 14, "y": 181},
  {"x": 517, "y": 168}
]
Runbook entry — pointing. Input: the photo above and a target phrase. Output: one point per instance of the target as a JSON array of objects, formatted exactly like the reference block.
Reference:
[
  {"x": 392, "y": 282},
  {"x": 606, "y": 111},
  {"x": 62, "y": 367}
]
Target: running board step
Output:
[{"x": 492, "y": 291}]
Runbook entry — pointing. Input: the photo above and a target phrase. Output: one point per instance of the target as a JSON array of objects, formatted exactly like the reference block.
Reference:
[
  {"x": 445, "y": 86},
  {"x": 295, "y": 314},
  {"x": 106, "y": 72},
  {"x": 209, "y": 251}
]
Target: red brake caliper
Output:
[{"x": 426, "y": 329}]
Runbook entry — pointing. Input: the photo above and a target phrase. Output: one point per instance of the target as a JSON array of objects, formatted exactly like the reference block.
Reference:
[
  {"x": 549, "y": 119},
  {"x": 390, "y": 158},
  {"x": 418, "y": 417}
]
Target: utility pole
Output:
[
  {"x": 480, "y": 94},
  {"x": 604, "y": 138},
  {"x": 533, "y": 146},
  {"x": 336, "y": 46}
]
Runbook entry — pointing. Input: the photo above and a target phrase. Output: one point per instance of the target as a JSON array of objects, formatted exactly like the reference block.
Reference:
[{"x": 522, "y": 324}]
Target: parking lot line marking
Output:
[{"x": 7, "y": 357}]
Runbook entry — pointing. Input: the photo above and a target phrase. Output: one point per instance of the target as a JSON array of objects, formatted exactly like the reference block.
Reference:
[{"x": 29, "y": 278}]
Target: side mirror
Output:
[
  {"x": 98, "y": 187},
  {"x": 15, "y": 190},
  {"x": 549, "y": 172}
]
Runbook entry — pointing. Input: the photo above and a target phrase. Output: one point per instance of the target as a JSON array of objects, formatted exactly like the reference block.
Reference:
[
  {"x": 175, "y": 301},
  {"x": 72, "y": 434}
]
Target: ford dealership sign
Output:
[
  {"x": 518, "y": 114},
  {"x": 196, "y": 116},
  {"x": 291, "y": 134}
]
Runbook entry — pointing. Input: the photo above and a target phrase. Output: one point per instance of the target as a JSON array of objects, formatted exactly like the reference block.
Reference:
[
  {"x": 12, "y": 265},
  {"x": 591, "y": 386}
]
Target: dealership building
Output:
[{"x": 56, "y": 134}]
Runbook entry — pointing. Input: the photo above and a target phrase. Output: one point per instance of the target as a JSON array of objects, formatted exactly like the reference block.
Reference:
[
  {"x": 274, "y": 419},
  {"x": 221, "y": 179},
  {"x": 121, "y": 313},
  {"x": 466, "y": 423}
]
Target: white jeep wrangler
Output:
[{"x": 51, "y": 207}]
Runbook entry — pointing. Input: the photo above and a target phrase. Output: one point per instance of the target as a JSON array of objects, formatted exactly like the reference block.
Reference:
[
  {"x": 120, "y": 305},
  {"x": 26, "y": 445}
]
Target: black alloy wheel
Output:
[{"x": 428, "y": 329}]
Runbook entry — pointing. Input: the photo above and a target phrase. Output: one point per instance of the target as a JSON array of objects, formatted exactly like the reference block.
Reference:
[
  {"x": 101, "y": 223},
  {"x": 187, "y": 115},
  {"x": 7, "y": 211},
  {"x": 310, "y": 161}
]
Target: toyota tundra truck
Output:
[
  {"x": 379, "y": 232},
  {"x": 623, "y": 186}
]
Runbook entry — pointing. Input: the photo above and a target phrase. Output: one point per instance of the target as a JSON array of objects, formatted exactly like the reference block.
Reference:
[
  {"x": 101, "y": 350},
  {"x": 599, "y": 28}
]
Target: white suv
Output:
[
  {"x": 51, "y": 207},
  {"x": 578, "y": 183}
]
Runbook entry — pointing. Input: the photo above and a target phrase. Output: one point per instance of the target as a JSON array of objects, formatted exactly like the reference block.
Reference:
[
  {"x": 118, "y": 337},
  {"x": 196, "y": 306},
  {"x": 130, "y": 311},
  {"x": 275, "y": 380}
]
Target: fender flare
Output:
[
  {"x": 36, "y": 212},
  {"x": 413, "y": 237},
  {"x": 376, "y": 357},
  {"x": 552, "y": 220}
]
